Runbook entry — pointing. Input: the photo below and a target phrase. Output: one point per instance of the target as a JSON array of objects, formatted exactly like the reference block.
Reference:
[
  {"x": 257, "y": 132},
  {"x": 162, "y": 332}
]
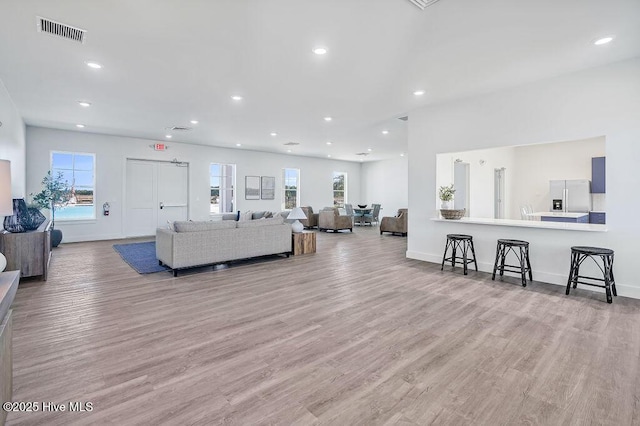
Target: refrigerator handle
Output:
[{"x": 565, "y": 203}]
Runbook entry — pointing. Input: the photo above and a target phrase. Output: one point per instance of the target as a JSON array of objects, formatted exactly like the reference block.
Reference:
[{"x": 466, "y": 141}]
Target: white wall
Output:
[
  {"x": 482, "y": 164},
  {"x": 602, "y": 101},
  {"x": 536, "y": 165},
  {"x": 112, "y": 151},
  {"x": 385, "y": 182},
  {"x": 12, "y": 142}
]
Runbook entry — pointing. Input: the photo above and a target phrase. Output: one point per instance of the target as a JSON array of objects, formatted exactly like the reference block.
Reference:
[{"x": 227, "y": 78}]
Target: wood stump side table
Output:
[{"x": 303, "y": 242}]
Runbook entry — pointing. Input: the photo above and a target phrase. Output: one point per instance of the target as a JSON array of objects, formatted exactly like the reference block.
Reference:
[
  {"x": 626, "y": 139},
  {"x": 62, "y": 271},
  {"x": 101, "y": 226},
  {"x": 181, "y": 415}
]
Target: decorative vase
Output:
[
  {"x": 56, "y": 237},
  {"x": 446, "y": 205}
]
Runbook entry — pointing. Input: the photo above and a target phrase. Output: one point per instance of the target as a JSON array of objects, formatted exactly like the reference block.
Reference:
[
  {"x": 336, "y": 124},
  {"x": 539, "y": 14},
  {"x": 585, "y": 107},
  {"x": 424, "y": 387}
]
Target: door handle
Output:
[{"x": 161, "y": 205}]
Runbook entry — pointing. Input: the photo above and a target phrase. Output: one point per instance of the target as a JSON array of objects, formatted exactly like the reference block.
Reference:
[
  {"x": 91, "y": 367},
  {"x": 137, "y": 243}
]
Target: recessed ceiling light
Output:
[
  {"x": 328, "y": 155},
  {"x": 80, "y": 126},
  {"x": 288, "y": 150},
  {"x": 328, "y": 119},
  {"x": 419, "y": 92},
  {"x": 84, "y": 104},
  {"x": 94, "y": 65},
  {"x": 369, "y": 149},
  {"x": 603, "y": 40},
  {"x": 236, "y": 98},
  {"x": 194, "y": 122},
  {"x": 385, "y": 132},
  {"x": 238, "y": 144},
  {"x": 273, "y": 134},
  {"x": 329, "y": 142},
  {"x": 320, "y": 50},
  {"x": 402, "y": 154},
  {"x": 168, "y": 136},
  {"x": 361, "y": 160}
]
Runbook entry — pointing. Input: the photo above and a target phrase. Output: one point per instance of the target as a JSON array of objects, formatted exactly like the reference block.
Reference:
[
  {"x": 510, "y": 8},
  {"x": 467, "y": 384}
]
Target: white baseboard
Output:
[
  {"x": 541, "y": 276},
  {"x": 86, "y": 238}
]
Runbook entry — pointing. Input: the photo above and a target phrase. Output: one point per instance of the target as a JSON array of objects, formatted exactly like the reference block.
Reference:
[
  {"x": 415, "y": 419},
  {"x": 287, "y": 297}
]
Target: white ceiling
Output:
[{"x": 167, "y": 62}]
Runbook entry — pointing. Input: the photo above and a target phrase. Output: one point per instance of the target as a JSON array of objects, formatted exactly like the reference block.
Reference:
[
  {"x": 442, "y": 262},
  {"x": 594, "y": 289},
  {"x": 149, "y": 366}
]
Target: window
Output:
[
  {"x": 291, "y": 188},
  {"x": 78, "y": 169},
  {"x": 222, "y": 179},
  {"x": 339, "y": 189}
]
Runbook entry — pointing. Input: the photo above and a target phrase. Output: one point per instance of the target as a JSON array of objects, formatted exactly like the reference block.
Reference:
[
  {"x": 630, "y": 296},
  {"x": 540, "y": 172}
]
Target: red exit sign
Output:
[{"x": 160, "y": 147}]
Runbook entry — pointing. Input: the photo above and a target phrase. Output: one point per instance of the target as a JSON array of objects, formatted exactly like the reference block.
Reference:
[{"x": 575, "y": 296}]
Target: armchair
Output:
[
  {"x": 395, "y": 225},
  {"x": 330, "y": 218},
  {"x": 312, "y": 218}
]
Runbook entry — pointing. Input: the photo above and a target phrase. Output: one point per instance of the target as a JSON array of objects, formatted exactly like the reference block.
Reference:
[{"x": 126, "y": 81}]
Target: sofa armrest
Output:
[{"x": 164, "y": 245}]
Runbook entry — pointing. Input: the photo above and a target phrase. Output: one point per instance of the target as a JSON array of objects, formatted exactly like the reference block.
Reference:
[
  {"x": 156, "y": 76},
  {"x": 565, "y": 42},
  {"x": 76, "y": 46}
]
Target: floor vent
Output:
[
  {"x": 423, "y": 3},
  {"x": 60, "y": 30}
]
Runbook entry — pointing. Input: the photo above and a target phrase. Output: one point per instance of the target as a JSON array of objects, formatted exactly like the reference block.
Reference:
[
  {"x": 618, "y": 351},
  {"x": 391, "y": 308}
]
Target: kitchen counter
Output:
[
  {"x": 527, "y": 224},
  {"x": 559, "y": 214}
]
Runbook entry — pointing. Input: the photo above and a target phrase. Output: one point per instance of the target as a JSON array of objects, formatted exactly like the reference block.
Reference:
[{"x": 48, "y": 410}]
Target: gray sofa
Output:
[{"x": 192, "y": 244}]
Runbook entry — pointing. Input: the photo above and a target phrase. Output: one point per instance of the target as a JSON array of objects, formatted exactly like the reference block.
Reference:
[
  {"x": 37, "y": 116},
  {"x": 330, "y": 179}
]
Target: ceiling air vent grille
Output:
[
  {"x": 179, "y": 128},
  {"x": 423, "y": 3},
  {"x": 405, "y": 118},
  {"x": 292, "y": 143},
  {"x": 363, "y": 154},
  {"x": 61, "y": 30}
]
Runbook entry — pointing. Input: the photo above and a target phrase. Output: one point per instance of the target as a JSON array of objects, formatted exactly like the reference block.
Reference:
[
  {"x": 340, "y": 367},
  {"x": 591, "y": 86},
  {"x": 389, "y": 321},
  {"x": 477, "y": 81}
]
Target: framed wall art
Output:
[
  {"x": 252, "y": 187},
  {"x": 268, "y": 187}
]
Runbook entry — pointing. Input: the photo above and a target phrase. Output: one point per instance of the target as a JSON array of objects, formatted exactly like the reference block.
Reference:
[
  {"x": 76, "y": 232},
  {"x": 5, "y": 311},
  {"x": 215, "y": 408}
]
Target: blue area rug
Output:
[{"x": 140, "y": 256}]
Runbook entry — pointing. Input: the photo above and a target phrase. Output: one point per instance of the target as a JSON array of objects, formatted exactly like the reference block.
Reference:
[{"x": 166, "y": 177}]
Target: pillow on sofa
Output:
[
  {"x": 261, "y": 222},
  {"x": 245, "y": 216},
  {"x": 189, "y": 226},
  {"x": 258, "y": 215}
]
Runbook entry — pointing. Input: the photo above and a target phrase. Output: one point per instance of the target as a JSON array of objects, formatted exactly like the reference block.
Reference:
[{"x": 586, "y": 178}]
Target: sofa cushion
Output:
[
  {"x": 188, "y": 226},
  {"x": 245, "y": 216},
  {"x": 261, "y": 222},
  {"x": 258, "y": 215}
]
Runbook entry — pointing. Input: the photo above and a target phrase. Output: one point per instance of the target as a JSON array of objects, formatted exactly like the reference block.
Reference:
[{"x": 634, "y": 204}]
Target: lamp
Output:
[
  {"x": 297, "y": 214},
  {"x": 6, "y": 204}
]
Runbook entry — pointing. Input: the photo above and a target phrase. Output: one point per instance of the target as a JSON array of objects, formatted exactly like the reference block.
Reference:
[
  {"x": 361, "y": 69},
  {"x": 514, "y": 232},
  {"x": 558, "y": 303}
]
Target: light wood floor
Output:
[{"x": 354, "y": 334}]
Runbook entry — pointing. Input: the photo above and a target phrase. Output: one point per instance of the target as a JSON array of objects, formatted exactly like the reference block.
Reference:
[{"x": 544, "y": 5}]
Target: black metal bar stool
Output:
[
  {"x": 461, "y": 242},
  {"x": 524, "y": 264},
  {"x": 578, "y": 255}
]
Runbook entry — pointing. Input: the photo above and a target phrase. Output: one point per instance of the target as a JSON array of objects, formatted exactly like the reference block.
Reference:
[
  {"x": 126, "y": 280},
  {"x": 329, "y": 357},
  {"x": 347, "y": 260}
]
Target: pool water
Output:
[{"x": 85, "y": 211}]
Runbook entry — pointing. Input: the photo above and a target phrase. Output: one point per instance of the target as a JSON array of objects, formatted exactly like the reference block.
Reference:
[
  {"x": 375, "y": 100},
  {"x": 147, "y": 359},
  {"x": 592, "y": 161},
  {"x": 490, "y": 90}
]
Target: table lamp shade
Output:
[
  {"x": 6, "y": 204},
  {"x": 297, "y": 214}
]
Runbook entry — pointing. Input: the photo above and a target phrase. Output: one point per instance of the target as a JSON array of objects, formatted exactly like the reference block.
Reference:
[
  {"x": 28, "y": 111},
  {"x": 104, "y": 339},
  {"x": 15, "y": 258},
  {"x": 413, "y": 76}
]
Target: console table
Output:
[
  {"x": 29, "y": 251},
  {"x": 8, "y": 288}
]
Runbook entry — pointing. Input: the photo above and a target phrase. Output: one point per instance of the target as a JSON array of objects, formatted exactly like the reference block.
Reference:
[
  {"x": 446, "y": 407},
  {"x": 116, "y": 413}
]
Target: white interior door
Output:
[
  {"x": 461, "y": 185},
  {"x": 172, "y": 192},
  {"x": 155, "y": 192}
]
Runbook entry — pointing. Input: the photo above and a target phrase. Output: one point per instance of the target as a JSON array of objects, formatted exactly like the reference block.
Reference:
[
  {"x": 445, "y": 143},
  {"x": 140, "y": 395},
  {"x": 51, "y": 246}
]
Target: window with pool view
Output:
[{"x": 78, "y": 169}]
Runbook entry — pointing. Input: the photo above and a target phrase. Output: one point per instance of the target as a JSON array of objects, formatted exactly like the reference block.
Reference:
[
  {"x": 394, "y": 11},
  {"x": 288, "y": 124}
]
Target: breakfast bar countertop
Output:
[
  {"x": 528, "y": 224},
  {"x": 559, "y": 214}
]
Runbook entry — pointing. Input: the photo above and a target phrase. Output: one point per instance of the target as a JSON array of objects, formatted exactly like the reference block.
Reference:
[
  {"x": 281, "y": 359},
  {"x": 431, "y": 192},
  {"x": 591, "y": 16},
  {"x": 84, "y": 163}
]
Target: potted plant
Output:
[
  {"x": 55, "y": 193},
  {"x": 445, "y": 193}
]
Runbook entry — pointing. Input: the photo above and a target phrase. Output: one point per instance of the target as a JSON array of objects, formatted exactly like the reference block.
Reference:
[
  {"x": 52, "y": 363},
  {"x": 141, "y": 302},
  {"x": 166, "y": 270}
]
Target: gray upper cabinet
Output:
[{"x": 598, "y": 175}]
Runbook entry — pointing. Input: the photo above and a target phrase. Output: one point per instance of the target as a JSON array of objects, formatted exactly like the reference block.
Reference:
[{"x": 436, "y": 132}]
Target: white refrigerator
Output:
[{"x": 571, "y": 196}]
